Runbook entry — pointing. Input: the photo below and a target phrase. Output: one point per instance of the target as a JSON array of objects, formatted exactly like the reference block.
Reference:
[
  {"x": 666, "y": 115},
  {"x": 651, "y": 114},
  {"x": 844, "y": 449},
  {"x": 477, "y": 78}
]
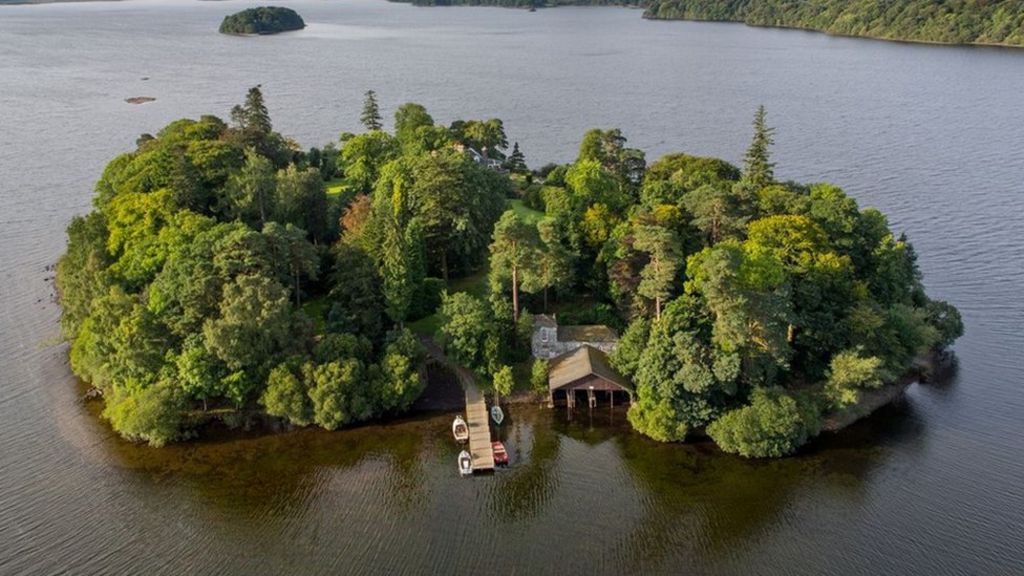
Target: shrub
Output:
[{"x": 772, "y": 425}]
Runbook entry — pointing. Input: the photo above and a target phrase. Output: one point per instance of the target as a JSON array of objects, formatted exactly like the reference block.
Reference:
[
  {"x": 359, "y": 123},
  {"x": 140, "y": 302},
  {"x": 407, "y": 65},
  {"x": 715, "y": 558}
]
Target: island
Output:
[
  {"x": 227, "y": 277},
  {"x": 262, "y": 20}
]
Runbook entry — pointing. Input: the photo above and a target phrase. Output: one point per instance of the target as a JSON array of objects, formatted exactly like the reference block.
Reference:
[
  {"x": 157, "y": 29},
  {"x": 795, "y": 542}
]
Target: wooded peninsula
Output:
[
  {"x": 996, "y": 22},
  {"x": 226, "y": 274}
]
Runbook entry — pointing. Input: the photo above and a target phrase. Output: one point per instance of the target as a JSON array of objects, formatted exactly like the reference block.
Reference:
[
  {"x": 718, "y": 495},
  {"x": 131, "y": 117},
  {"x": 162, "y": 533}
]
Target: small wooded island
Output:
[
  {"x": 227, "y": 275},
  {"x": 262, "y": 20}
]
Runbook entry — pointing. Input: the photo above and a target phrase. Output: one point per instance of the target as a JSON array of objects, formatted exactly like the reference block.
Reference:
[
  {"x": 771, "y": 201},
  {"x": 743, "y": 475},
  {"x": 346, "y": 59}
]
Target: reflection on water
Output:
[
  {"x": 633, "y": 504},
  {"x": 929, "y": 135}
]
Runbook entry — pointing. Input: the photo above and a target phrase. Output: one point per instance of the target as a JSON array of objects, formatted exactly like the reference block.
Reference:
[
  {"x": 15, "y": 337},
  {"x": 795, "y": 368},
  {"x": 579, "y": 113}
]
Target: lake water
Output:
[{"x": 933, "y": 136}]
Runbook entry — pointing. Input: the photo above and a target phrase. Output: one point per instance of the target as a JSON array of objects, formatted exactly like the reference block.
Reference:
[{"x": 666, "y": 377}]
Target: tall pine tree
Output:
[
  {"x": 758, "y": 169},
  {"x": 664, "y": 256},
  {"x": 371, "y": 112},
  {"x": 516, "y": 163}
]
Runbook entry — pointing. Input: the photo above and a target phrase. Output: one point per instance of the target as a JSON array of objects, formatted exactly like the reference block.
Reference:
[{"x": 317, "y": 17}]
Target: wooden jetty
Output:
[
  {"x": 479, "y": 427},
  {"x": 476, "y": 410}
]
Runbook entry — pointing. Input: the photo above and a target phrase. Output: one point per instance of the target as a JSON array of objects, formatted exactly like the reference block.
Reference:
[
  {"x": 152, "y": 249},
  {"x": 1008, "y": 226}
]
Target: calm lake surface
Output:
[{"x": 933, "y": 136}]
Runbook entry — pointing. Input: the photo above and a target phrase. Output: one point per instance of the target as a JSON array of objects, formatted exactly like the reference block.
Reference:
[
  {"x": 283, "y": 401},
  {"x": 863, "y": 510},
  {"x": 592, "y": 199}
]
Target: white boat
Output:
[
  {"x": 497, "y": 415},
  {"x": 460, "y": 430},
  {"x": 465, "y": 463}
]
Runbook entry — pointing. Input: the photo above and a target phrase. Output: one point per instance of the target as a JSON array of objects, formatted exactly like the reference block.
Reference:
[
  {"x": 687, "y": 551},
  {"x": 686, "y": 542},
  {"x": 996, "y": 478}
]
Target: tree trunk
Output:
[
  {"x": 545, "y": 299},
  {"x": 515, "y": 295},
  {"x": 444, "y": 265},
  {"x": 657, "y": 307}
]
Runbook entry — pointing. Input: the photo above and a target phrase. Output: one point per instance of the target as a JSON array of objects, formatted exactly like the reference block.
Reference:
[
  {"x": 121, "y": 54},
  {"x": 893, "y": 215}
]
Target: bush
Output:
[
  {"x": 152, "y": 414},
  {"x": 427, "y": 298},
  {"x": 851, "y": 372},
  {"x": 773, "y": 425},
  {"x": 539, "y": 376}
]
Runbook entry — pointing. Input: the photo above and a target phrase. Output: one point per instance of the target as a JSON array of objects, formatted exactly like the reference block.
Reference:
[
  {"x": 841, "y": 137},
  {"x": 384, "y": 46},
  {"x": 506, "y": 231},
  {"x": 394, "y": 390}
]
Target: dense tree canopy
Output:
[
  {"x": 216, "y": 276},
  {"x": 262, "y": 20}
]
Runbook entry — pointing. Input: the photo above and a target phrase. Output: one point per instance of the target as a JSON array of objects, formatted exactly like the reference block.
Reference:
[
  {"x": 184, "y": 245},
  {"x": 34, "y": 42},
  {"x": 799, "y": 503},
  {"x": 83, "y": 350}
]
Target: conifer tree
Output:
[
  {"x": 371, "y": 112},
  {"x": 758, "y": 169},
  {"x": 253, "y": 115},
  {"x": 513, "y": 254},
  {"x": 659, "y": 274},
  {"x": 516, "y": 161}
]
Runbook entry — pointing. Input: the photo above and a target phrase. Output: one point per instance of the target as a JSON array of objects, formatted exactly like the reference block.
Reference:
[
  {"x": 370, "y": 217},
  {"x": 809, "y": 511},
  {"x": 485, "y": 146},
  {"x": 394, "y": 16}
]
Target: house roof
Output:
[
  {"x": 544, "y": 320},
  {"x": 591, "y": 333},
  {"x": 583, "y": 362}
]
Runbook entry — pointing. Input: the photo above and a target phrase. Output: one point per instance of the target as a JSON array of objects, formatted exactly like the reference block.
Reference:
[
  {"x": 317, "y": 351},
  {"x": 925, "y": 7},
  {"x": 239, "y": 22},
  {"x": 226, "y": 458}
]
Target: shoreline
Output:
[
  {"x": 645, "y": 16},
  {"x": 927, "y": 367},
  {"x": 911, "y": 41}
]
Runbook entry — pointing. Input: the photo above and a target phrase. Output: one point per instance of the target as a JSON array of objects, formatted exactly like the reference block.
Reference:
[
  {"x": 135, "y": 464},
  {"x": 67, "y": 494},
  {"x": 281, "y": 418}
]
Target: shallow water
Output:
[{"x": 930, "y": 135}]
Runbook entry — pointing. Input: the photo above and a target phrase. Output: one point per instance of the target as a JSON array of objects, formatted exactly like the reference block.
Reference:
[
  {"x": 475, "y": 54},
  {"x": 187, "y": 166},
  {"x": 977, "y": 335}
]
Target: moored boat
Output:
[
  {"x": 460, "y": 430},
  {"x": 465, "y": 463},
  {"x": 500, "y": 454},
  {"x": 497, "y": 415}
]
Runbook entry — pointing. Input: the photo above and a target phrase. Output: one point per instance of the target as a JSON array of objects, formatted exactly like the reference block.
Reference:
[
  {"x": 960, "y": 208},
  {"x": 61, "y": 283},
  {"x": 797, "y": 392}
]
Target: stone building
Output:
[{"x": 551, "y": 340}]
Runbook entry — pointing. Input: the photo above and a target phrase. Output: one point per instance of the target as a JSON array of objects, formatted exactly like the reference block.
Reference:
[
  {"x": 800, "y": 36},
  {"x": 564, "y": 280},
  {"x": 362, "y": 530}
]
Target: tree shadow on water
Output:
[{"x": 702, "y": 505}]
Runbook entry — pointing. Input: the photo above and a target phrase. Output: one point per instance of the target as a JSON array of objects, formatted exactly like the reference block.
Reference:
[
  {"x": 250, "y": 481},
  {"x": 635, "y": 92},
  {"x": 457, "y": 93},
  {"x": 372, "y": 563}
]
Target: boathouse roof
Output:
[{"x": 584, "y": 368}]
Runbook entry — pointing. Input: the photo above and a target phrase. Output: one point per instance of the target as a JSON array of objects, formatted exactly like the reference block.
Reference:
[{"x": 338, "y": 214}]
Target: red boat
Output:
[{"x": 500, "y": 454}]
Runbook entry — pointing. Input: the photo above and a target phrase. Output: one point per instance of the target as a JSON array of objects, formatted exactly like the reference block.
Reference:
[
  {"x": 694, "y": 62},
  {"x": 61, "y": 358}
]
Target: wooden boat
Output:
[
  {"x": 465, "y": 463},
  {"x": 497, "y": 415},
  {"x": 460, "y": 430},
  {"x": 500, "y": 454}
]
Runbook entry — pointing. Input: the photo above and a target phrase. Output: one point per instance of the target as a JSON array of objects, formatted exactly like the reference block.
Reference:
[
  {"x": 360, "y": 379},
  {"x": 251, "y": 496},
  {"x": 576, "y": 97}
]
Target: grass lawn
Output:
[
  {"x": 529, "y": 215},
  {"x": 317, "y": 310},
  {"x": 335, "y": 187}
]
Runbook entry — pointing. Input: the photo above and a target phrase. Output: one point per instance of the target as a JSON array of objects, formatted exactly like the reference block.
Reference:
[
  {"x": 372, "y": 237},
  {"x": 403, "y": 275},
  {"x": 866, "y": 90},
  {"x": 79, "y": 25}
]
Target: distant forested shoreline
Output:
[
  {"x": 999, "y": 22},
  {"x": 944, "y": 21}
]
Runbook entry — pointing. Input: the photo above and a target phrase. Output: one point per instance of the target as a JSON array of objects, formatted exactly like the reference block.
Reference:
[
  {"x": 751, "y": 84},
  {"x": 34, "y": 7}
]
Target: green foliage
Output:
[
  {"x": 286, "y": 397},
  {"x": 772, "y": 425},
  {"x": 663, "y": 252},
  {"x": 468, "y": 324},
  {"x": 851, "y": 372},
  {"x": 949, "y": 21},
  {"x": 758, "y": 169},
  {"x": 503, "y": 381},
  {"x": 371, "y": 117},
  {"x": 184, "y": 288},
  {"x": 152, "y": 414},
  {"x": 262, "y": 20},
  {"x": 363, "y": 157},
  {"x": 338, "y": 393},
  {"x": 513, "y": 256},
  {"x": 409, "y": 119},
  {"x": 539, "y": 376},
  {"x": 400, "y": 382},
  {"x": 626, "y": 357}
]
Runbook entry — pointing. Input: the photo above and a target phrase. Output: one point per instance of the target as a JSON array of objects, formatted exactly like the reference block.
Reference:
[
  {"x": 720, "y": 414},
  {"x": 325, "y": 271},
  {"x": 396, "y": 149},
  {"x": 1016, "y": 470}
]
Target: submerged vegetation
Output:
[
  {"x": 217, "y": 279},
  {"x": 262, "y": 20}
]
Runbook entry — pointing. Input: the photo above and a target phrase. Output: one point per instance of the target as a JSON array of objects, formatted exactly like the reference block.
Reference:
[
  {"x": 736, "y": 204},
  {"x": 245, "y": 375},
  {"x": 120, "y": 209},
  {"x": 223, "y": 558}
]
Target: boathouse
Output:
[{"x": 586, "y": 370}]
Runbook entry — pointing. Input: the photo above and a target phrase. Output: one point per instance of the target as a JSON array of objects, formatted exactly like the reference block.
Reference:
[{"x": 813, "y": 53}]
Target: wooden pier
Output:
[
  {"x": 476, "y": 410},
  {"x": 479, "y": 427}
]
